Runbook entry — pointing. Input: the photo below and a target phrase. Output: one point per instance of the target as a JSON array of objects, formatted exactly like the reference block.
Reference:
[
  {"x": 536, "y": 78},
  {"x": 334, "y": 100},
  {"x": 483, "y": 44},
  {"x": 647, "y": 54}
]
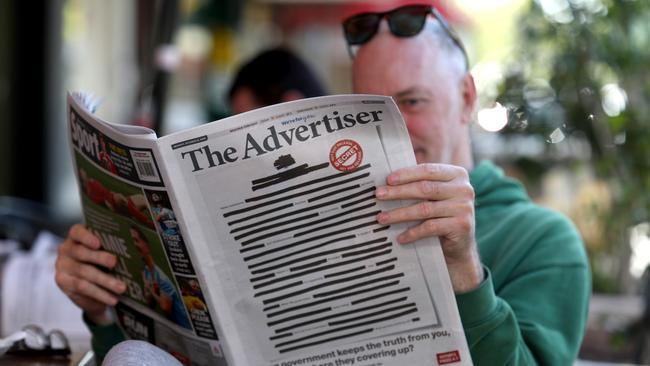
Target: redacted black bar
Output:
[
  {"x": 369, "y": 298},
  {"x": 285, "y": 176},
  {"x": 333, "y": 193},
  {"x": 318, "y": 269},
  {"x": 357, "y": 285},
  {"x": 299, "y": 194},
  {"x": 318, "y": 302},
  {"x": 394, "y": 259},
  {"x": 341, "y": 273},
  {"x": 376, "y": 313},
  {"x": 307, "y": 265},
  {"x": 275, "y": 289},
  {"x": 326, "y": 284},
  {"x": 308, "y": 240},
  {"x": 305, "y": 184},
  {"x": 367, "y": 250},
  {"x": 263, "y": 277},
  {"x": 312, "y": 256},
  {"x": 252, "y": 247},
  {"x": 268, "y": 227},
  {"x": 344, "y": 313},
  {"x": 278, "y": 217},
  {"x": 326, "y": 340},
  {"x": 346, "y": 205},
  {"x": 259, "y": 214},
  {"x": 342, "y": 222},
  {"x": 308, "y": 224},
  {"x": 301, "y": 315}
]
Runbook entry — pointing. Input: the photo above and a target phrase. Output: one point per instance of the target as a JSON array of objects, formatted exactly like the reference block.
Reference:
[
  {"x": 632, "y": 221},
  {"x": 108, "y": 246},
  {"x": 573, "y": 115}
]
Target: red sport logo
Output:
[
  {"x": 448, "y": 357},
  {"x": 346, "y": 155}
]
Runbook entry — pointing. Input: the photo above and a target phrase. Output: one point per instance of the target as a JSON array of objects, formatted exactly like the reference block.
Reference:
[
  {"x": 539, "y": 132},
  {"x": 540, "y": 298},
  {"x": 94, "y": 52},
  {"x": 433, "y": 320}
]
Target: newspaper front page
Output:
[
  {"x": 295, "y": 268},
  {"x": 254, "y": 240}
]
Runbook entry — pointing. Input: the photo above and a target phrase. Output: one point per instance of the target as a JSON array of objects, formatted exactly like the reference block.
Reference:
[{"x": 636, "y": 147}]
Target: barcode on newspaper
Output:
[
  {"x": 145, "y": 169},
  {"x": 144, "y": 166}
]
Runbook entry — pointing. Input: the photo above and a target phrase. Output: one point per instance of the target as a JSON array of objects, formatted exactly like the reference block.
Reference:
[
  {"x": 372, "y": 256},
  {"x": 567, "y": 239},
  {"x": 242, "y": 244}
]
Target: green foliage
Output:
[{"x": 581, "y": 72}]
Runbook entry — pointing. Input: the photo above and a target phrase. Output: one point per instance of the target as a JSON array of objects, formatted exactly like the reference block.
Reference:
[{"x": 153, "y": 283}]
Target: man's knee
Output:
[{"x": 138, "y": 353}]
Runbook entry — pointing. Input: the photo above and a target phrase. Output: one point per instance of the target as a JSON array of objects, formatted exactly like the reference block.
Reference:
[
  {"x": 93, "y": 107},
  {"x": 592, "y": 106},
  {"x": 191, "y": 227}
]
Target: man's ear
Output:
[
  {"x": 469, "y": 98},
  {"x": 291, "y": 95}
]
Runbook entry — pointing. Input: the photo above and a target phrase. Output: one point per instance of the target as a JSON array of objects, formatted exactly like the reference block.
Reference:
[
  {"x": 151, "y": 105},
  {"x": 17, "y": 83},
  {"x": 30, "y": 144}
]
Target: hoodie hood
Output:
[{"x": 492, "y": 187}]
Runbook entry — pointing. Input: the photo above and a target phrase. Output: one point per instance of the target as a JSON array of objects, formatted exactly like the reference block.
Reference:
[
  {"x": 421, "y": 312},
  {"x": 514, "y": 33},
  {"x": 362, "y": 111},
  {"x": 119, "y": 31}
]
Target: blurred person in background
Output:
[
  {"x": 519, "y": 271},
  {"x": 274, "y": 76}
]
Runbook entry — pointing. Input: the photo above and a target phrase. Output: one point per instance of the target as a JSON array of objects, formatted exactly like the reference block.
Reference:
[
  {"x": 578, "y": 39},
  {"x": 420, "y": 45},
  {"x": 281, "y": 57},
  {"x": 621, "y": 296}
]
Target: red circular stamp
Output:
[{"x": 346, "y": 155}]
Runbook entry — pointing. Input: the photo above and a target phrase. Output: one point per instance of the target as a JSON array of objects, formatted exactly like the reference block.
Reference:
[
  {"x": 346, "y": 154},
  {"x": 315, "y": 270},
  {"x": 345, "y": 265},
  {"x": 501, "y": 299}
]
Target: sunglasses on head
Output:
[{"x": 405, "y": 21}]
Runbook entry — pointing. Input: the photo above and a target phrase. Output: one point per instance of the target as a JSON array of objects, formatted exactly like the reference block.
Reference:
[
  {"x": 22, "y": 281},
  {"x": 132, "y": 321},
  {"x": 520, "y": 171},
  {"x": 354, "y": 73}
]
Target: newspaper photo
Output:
[{"x": 253, "y": 240}]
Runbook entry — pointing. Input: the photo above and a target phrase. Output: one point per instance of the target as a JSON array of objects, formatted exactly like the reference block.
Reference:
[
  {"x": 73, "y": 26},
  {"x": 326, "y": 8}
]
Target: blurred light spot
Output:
[
  {"x": 493, "y": 119},
  {"x": 620, "y": 138},
  {"x": 586, "y": 91},
  {"x": 488, "y": 76},
  {"x": 485, "y": 5},
  {"x": 614, "y": 99},
  {"x": 593, "y": 6},
  {"x": 518, "y": 121},
  {"x": 556, "y": 136},
  {"x": 522, "y": 124},
  {"x": 558, "y": 11},
  {"x": 168, "y": 58},
  {"x": 639, "y": 30},
  {"x": 640, "y": 245},
  {"x": 194, "y": 42},
  {"x": 539, "y": 93}
]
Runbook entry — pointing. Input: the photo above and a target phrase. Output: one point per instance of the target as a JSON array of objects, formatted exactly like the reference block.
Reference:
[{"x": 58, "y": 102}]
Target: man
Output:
[{"x": 519, "y": 271}]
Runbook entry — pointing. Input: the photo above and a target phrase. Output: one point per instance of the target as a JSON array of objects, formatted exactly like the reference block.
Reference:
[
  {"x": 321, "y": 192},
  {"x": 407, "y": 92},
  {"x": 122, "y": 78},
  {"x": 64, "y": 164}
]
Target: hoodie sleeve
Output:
[
  {"x": 537, "y": 313},
  {"x": 104, "y": 337}
]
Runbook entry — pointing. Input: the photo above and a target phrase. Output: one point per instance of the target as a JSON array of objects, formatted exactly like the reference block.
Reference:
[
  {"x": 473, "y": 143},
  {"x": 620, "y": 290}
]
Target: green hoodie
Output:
[
  {"x": 532, "y": 307},
  {"x": 522, "y": 314}
]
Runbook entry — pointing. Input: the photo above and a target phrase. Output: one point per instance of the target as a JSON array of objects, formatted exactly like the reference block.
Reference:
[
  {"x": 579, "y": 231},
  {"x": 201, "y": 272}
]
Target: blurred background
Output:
[{"x": 563, "y": 106}]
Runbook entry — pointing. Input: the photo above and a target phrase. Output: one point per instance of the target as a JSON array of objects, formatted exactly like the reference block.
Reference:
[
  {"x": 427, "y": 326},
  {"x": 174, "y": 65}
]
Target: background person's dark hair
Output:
[{"x": 274, "y": 72}]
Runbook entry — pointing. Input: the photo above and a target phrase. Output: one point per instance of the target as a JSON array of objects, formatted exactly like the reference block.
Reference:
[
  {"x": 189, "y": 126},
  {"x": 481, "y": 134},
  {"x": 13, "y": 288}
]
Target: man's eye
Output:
[{"x": 411, "y": 102}]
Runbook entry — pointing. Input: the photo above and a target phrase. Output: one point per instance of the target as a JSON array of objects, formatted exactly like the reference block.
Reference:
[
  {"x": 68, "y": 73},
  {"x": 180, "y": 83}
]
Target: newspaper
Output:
[{"x": 254, "y": 241}]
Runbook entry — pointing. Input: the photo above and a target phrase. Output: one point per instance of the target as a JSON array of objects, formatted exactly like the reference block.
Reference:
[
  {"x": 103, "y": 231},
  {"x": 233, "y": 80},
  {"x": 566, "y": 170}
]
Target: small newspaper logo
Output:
[{"x": 448, "y": 357}]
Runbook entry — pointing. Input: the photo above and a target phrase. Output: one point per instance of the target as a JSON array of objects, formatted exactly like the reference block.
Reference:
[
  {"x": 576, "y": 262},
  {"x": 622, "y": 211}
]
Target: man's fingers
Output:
[
  {"x": 72, "y": 268},
  {"x": 79, "y": 233},
  {"x": 425, "y": 210},
  {"x": 435, "y": 172},
  {"x": 104, "y": 280},
  {"x": 428, "y": 228},
  {"x": 424, "y": 190},
  {"x": 81, "y": 253},
  {"x": 75, "y": 286}
]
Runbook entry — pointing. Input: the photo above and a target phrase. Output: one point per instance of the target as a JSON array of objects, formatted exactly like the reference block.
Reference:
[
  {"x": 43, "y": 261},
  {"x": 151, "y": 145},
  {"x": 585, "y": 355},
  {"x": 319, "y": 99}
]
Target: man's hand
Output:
[
  {"x": 79, "y": 278},
  {"x": 446, "y": 210}
]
